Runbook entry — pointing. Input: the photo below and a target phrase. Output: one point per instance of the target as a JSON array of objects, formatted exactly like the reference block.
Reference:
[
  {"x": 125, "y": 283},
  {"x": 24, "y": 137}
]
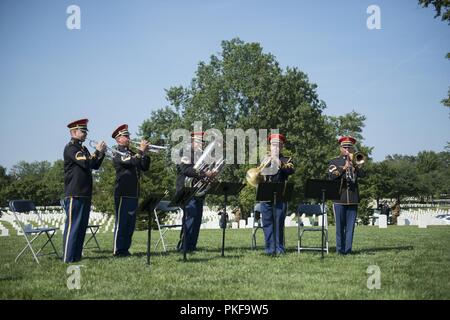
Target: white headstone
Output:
[
  {"x": 382, "y": 221},
  {"x": 234, "y": 225},
  {"x": 4, "y": 232},
  {"x": 401, "y": 221},
  {"x": 251, "y": 222},
  {"x": 242, "y": 223},
  {"x": 422, "y": 221},
  {"x": 306, "y": 222}
]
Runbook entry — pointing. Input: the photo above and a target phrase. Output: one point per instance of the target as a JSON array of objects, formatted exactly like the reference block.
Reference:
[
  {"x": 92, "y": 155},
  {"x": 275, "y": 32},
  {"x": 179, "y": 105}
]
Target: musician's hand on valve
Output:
[
  {"x": 144, "y": 146},
  {"x": 210, "y": 174},
  {"x": 276, "y": 161},
  {"x": 101, "y": 147}
]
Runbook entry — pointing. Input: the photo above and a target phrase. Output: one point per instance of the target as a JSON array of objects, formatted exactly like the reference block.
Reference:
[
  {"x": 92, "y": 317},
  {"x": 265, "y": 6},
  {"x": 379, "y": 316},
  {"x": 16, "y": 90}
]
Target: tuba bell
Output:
[{"x": 204, "y": 164}]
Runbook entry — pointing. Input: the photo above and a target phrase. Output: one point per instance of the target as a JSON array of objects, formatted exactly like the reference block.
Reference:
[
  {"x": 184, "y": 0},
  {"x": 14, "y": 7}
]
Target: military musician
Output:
[
  {"x": 78, "y": 164},
  {"x": 347, "y": 168},
  {"x": 193, "y": 211},
  {"x": 129, "y": 165},
  {"x": 283, "y": 168}
]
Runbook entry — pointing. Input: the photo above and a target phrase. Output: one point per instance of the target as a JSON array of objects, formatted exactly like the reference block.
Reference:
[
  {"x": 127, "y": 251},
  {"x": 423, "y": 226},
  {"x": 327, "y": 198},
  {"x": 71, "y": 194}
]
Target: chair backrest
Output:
[
  {"x": 62, "y": 204},
  {"x": 164, "y": 206},
  {"x": 22, "y": 206},
  {"x": 309, "y": 209}
]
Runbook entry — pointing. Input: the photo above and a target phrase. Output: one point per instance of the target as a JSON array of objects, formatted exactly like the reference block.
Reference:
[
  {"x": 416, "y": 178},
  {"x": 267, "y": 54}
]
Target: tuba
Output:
[{"x": 204, "y": 164}]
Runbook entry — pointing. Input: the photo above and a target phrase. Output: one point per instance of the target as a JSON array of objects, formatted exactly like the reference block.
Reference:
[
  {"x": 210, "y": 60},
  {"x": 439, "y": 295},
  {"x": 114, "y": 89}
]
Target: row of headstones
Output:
[
  {"x": 418, "y": 205},
  {"x": 4, "y": 232},
  {"x": 211, "y": 219},
  {"x": 53, "y": 221},
  {"x": 421, "y": 218}
]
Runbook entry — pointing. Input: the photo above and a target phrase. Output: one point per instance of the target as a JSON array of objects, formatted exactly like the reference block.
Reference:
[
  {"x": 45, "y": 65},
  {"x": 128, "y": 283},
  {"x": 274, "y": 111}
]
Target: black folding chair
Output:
[
  {"x": 19, "y": 207},
  {"x": 310, "y": 210},
  {"x": 163, "y": 206},
  {"x": 94, "y": 228}
]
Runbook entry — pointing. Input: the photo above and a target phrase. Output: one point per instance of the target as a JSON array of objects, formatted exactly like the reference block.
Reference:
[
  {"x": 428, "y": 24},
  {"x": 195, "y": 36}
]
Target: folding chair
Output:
[
  {"x": 309, "y": 210},
  {"x": 257, "y": 223},
  {"x": 19, "y": 207},
  {"x": 94, "y": 228},
  {"x": 163, "y": 206}
]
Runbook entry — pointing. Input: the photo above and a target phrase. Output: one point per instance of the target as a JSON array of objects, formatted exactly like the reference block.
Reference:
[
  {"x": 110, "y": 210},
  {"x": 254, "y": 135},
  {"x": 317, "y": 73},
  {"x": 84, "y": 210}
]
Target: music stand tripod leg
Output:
[
  {"x": 149, "y": 237},
  {"x": 274, "y": 210},
  {"x": 184, "y": 233},
  {"x": 224, "y": 226},
  {"x": 323, "y": 220}
]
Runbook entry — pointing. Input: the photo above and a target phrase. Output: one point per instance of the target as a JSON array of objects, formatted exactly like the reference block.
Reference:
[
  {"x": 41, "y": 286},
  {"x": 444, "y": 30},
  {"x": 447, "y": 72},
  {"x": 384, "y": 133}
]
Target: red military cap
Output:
[
  {"x": 347, "y": 141},
  {"x": 78, "y": 124},
  {"x": 198, "y": 136},
  {"x": 122, "y": 130},
  {"x": 277, "y": 136}
]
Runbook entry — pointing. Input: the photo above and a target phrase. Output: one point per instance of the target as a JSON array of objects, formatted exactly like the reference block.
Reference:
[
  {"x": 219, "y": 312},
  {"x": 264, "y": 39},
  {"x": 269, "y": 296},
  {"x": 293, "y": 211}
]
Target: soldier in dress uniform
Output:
[
  {"x": 284, "y": 168},
  {"x": 128, "y": 165},
  {"x": 194, "y": 209},
  {"x": 78, "y": 164},
  {"x": 345, "y": 169}
]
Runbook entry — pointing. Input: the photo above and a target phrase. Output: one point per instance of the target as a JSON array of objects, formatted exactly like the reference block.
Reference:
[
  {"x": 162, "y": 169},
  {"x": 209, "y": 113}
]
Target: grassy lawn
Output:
[{"x": 414, "y": 264}]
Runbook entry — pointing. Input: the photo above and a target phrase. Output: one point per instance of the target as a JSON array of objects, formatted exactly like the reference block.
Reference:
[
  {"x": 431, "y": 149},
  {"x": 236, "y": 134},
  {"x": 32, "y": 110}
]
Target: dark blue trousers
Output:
[
  {"x": 125, "y": 223},
  {"x": 345, "y": 218},
  {"x": 77, "y": 218},
  {"x": 193, "y": 213},
  {"x": 267, "y": 220}
]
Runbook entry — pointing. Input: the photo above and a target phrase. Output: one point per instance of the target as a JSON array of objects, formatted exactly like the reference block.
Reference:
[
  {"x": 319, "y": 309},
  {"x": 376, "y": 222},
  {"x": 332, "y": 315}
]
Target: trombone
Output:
[{"x": 254, "y": 176}]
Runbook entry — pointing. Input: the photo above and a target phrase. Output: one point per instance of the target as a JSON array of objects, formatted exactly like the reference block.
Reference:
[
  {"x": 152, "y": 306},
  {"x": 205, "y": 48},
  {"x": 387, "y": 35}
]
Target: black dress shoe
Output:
[{"x": 122, "y": 254}]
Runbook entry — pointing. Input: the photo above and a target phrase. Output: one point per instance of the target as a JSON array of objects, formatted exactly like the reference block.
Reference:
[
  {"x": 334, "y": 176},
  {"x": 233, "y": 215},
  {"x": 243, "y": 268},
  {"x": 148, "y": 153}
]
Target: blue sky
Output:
[{"x": 115, "y": 69}]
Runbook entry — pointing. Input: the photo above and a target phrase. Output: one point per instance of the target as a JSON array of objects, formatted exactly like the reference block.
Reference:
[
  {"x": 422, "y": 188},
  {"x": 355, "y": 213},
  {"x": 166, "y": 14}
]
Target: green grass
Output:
[{"x": 414, "y": 264}]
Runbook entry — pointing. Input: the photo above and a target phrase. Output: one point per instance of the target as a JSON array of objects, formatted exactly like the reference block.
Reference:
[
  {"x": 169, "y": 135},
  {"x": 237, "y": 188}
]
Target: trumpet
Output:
[
  {"x": 110, "y": 151},
  {"x": 357, "y": 160},
  {"x": 151, "y": 147}
]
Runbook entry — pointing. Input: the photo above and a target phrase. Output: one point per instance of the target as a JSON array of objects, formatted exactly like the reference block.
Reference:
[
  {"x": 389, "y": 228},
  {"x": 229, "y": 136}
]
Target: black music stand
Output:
[
  {"x": 274, "y": 192},
  {"x": 181, "y": 199},
  {"x": 149, "y": 205},
  {"x": 322, "y": 190},
  {"x": 226, "y": 189}
]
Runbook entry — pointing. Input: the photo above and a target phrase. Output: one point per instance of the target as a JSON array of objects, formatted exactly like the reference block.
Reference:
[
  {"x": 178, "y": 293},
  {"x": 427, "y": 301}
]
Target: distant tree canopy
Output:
[
  {"x": 442, "y": 8},
  {"x": 243, "y": 87}
]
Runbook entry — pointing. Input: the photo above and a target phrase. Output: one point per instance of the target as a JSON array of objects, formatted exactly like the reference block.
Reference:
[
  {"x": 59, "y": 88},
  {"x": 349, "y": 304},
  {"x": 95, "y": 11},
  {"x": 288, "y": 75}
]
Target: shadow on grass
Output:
[
  {"x": 10, "y": 278},
  {"x": 381, "y": 249}
]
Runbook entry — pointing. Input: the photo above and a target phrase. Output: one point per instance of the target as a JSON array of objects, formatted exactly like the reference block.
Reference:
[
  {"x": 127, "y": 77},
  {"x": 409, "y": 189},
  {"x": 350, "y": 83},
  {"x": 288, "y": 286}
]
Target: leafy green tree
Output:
[
  {"x": 103, "y": 188},
  {"x": 5, "y": 180},
  {"x": 404, "y": 180},
  {"x": 442, "y": 8},
  {"x": 243, "y": 87}
]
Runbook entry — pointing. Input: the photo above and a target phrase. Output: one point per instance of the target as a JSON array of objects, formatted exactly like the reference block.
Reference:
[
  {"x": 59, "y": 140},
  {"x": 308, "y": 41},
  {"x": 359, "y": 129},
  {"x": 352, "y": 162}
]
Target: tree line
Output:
[{"x": 244, "y": 87}]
